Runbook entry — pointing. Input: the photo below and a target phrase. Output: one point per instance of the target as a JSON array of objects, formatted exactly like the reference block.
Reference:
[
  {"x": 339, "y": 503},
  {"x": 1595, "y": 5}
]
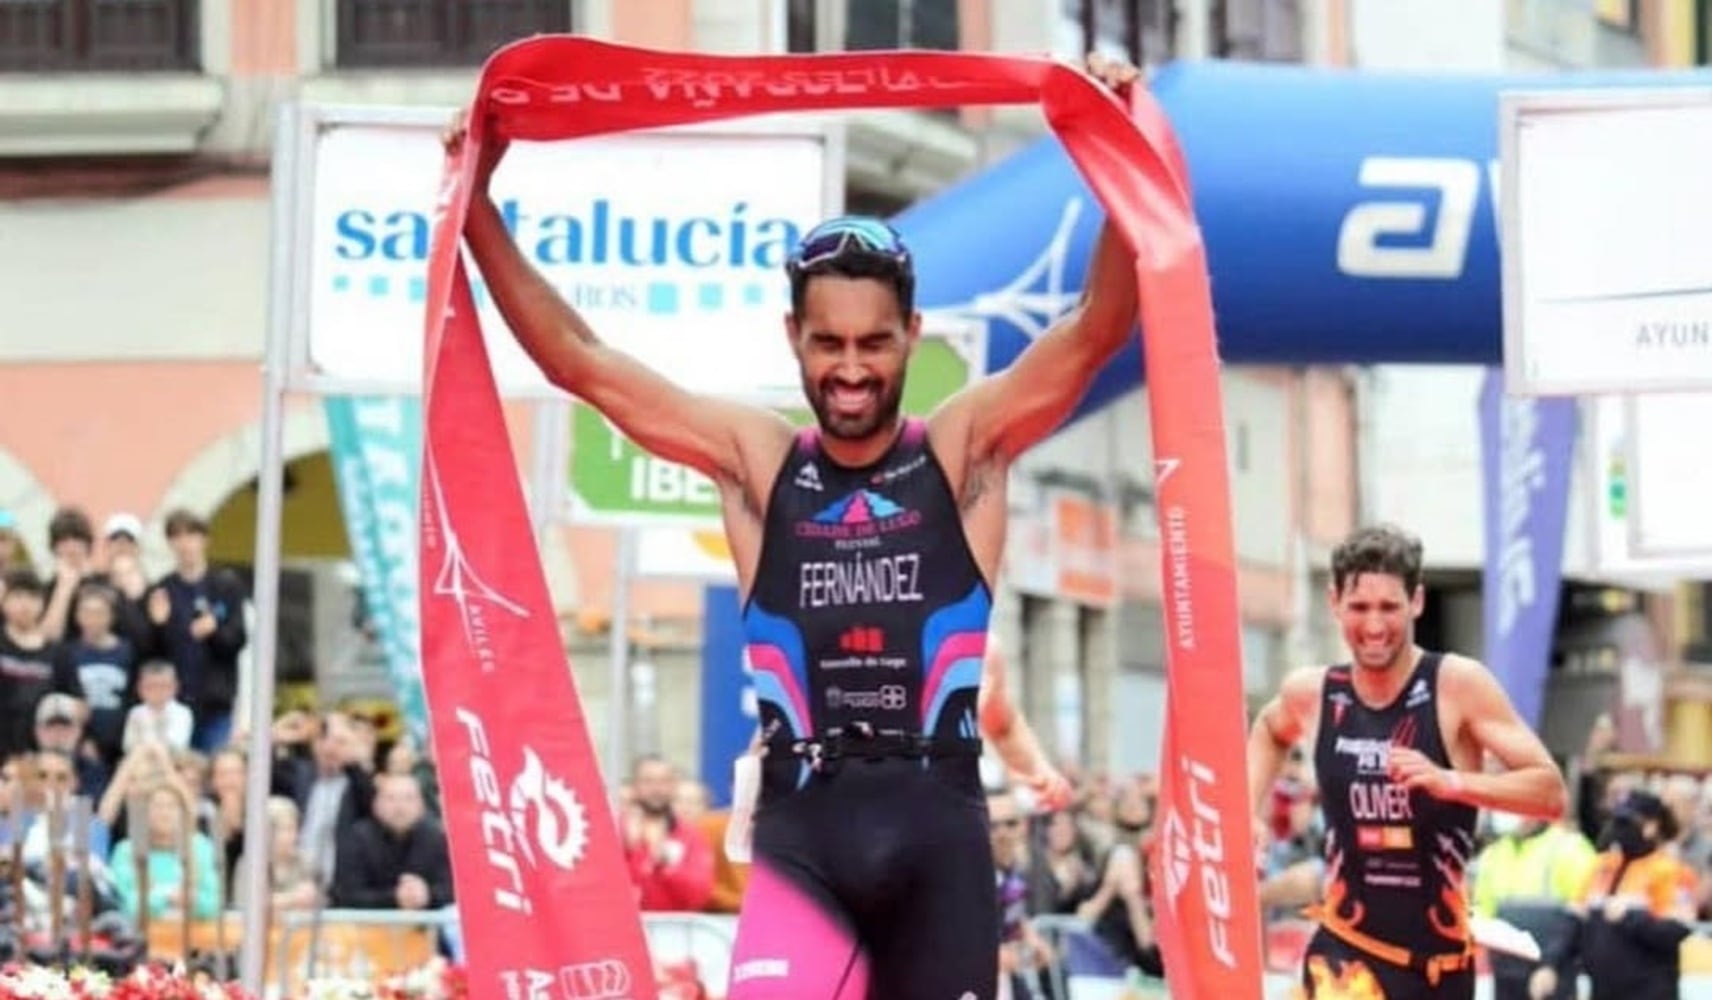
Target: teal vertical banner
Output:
[{"x": 376, "y": 444}]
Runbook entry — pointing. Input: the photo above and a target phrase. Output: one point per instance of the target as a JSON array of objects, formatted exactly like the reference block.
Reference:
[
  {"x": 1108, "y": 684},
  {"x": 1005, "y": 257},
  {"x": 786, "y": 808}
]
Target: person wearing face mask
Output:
[
  {"x": 1637, "y": 907},
  {"x": 1529, "y": 876}
]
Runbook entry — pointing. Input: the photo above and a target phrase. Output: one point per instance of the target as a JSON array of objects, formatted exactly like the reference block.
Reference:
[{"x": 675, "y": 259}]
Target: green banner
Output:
[{"x": 613, "y": 481}]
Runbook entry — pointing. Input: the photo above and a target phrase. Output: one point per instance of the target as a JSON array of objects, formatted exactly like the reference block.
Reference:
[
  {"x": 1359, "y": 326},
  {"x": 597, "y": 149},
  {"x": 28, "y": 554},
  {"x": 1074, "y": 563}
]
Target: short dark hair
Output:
[
  {"x": 101, "y": 592},
  {"x": 24, "y": 580},
  {"x": 156, "y": 666},
  {"x": 185, "y": 520},
  {"x": 1382, "y": 548},
  {"x": 643, "y": 760},
  {"x": 70, "y": 524},
  {"x": 857, "y": 264}
]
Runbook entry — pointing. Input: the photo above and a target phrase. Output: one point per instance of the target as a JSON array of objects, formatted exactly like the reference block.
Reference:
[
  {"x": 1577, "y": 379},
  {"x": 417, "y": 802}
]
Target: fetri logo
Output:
[
  {"x": 1177, "y": 856},
  {"x": 547, "y": 808}
]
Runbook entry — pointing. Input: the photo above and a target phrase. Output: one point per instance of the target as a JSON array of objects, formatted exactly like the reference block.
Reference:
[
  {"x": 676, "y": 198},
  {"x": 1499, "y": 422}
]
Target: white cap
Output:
[
  {"x": 123, "y": 524},
  {"x": 56, "y": 706}
]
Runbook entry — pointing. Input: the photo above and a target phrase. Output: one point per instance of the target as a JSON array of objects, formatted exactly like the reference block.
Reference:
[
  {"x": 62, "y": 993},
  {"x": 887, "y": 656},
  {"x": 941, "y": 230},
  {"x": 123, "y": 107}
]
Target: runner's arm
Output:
[
  {"x": 1531, "y": 784},
  {"x": 665, "y": 419},
  {"x": 1278, "y": 727},
  {"x": 1014, "y": 409},
  {"x": 1011, "y": 735}
]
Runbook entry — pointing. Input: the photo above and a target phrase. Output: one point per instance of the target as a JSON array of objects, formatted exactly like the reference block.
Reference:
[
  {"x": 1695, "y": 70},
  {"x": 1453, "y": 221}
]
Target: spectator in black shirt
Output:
[
  {"x": 122, "y": 569},
  {"x": 71, "y": 541},
  {"x": 198, "y": 614},
  {"x": 397, "y": 859},
  {"x": 105, "y": 665},
  {"x": 30, "y": 665}
]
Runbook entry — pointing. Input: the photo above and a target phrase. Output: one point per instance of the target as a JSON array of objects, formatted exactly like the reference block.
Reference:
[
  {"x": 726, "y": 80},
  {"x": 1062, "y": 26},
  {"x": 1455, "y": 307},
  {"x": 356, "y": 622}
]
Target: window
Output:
[
  {"x": 1258, "y": 30},
  {"x": 1137, "y": 31},
  {"x": 380, "y": 33},
  {"x": 89, "y": 35},
  {"x": 900, "y": 24},
  {"x": 802, "y": 26}
]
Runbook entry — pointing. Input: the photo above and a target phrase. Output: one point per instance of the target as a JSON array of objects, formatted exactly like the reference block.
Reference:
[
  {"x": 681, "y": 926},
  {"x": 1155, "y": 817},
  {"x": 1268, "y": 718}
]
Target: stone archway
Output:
[{"x": 229, "y": 465}]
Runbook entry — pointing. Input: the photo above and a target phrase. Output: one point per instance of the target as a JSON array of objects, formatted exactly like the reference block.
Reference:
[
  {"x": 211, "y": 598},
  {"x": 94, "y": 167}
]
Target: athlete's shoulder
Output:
[
  {"x": 1302, "y": 686},
  {"x": 1464, "y": 675},
  {"x": 765, "y": 439}
]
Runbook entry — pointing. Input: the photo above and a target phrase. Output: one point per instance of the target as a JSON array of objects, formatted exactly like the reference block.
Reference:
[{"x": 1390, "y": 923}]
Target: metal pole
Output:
[
  {"x": 270, "y": 502},
  {"x": 547, "y": 464},
  {"x": 618, "y": 682}
]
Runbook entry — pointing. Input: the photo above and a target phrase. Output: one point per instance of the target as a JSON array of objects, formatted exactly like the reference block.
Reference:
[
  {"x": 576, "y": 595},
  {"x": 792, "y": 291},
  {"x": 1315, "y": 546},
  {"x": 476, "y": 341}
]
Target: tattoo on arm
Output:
[{"x": 976, "y": 483}]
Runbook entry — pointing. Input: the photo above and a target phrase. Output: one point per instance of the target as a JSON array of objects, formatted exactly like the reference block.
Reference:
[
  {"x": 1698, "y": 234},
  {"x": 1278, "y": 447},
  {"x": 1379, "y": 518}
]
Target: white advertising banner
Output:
[
  {"x": 1672, "y": 477},
  {"x": 1606, "y": 236},
  {"x": 670, "y": 244}
]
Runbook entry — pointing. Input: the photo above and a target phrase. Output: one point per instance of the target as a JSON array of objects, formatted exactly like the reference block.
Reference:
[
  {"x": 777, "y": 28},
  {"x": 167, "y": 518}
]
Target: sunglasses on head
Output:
[{"x": 831, "y": 240}]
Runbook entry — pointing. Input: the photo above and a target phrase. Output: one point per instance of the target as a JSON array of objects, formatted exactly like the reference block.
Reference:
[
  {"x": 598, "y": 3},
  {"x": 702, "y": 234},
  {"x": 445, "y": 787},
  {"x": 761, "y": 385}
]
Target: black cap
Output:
[{"x": 1643, "y": 805}]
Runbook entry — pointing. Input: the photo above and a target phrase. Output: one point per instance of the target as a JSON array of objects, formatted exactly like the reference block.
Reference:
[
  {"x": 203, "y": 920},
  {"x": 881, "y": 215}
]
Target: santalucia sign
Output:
[
  {"x": 597, "y": 233},
  {"x": 671, "y": 245}
]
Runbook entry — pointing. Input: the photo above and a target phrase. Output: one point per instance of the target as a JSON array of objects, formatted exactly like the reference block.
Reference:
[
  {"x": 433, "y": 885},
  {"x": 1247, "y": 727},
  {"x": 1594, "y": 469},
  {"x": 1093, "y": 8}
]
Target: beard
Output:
[{"x": 888, "y": 400}]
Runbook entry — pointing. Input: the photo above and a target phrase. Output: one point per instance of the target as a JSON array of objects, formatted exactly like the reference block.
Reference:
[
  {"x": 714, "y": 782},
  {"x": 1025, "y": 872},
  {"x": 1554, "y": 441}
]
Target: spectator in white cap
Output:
[
  {"x": 60, "y": 724},
  {"x": 121, "y": 536},
  {"x": 115, "y": 571}
]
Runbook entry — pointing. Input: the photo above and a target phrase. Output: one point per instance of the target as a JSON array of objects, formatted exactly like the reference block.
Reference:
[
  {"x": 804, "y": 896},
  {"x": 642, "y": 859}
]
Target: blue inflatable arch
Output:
[{"x": 1348, "y": 216}]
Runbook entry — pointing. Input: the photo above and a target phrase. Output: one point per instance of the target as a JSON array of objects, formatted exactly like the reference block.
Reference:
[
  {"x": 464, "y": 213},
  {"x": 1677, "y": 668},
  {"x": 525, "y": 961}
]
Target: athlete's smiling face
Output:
[
  {"x": 853, "y": 342},
  {"x": 1377, "y": 614}
]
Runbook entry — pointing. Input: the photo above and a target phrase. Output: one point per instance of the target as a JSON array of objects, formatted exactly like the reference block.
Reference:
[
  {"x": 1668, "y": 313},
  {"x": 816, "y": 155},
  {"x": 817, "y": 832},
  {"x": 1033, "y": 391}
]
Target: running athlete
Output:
[
  {"x": 865, "y": 547},
  {"x": 1400, "y": 737}
]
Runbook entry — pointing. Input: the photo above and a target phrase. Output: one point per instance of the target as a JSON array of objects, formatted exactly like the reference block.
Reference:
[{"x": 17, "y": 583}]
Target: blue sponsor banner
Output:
[
  {"x": 1527, "y": 449},
  {"x": 728, "y": 709},
  {"x": 376, "y": 444}
]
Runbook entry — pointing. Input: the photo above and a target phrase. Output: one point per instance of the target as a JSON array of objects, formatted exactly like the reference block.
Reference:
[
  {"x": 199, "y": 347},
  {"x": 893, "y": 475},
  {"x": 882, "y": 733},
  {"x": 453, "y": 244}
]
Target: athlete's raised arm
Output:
[
  {"x": 664, "y": 418},
  {"x": 1020, "y": 406},
  {"x": 1001, "y": 416}
]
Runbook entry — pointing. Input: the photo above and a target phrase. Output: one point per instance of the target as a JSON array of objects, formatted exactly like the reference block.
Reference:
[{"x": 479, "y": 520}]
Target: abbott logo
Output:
[{"x": 604, "y": 980}]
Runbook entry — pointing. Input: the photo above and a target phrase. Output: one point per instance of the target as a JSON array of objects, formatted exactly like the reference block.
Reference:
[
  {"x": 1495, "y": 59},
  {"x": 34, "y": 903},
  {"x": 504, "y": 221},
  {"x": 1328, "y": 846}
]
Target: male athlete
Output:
[
  {"x": 865, "y": 547},
  {"x": 1401, "y": 737}
]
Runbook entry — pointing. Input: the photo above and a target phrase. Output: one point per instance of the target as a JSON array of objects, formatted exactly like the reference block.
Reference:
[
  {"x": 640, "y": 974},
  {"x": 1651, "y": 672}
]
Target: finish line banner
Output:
[{"x": 540, "y": 883}]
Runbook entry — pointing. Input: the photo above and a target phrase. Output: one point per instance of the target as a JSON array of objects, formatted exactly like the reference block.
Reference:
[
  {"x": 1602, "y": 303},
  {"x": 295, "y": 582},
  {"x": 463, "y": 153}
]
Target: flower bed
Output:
[
  {"x": 35, "y": 982},
  {"x": 437, "y": 980}
]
